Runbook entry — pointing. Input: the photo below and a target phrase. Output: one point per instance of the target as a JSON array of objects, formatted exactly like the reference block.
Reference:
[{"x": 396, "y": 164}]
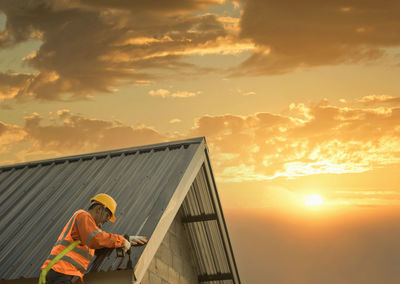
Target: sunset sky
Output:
[{"x": 294, "y": 98}]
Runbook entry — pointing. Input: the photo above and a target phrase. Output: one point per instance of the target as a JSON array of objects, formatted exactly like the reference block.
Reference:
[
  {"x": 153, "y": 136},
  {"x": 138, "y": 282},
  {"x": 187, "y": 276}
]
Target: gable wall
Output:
[{"x": 173, "y": 262}]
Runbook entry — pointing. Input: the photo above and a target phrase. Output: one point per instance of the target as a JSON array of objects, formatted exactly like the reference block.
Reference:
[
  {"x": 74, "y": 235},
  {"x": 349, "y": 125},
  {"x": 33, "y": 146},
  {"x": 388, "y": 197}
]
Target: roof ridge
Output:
[{"x": 114, "y": 152}]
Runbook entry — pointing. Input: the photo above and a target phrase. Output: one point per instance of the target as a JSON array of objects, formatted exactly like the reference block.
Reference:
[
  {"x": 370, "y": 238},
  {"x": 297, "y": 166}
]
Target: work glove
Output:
[
  {"x": 127, "y": 246},
  {"x": 137, "y": 240}
]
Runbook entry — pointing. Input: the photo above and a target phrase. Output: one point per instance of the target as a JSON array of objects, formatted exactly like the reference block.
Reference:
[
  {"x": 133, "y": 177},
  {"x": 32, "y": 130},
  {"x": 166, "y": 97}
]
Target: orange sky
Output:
[{"x": 294, "y": 98}]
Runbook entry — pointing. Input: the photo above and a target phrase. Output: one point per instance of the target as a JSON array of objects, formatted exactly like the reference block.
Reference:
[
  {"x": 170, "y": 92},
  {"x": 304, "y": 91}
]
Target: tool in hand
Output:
[{"x": 133, "y": 240}]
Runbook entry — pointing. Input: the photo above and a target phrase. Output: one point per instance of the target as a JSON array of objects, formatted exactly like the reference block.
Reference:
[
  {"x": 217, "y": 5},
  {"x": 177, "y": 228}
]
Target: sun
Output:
[{"x": 314, "y": 200}]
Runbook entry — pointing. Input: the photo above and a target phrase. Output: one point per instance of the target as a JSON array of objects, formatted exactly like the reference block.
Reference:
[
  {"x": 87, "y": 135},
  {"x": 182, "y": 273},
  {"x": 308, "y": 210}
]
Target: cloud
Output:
[
  {"x": 183, "y": 94},
  {"x": 379, "y": 99},
  {"x": 11, "y": 84},
  {"x": 364, "y": 198},
  {"x": 175, "y": 120},
  {"x": 303, "y": 140},
  {"x": 91, "y": 47},
  {"x": 291, "y": 35},
  {"x": 165, "y": 93},
  {"x": 69, "y": 133},
  {"x": 157, "y": 7},
  {"x": 306, "y": 140},
  {"x": 10, "y": 134},
  {"x": 160, "y": 92},
  {"x": 63, "y": 133},
  {"x": 249, "y": 94}
]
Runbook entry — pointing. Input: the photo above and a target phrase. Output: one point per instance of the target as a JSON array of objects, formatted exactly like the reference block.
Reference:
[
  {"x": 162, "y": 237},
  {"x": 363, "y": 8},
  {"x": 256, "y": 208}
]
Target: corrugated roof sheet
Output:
[{"x": 38, "y": 198}]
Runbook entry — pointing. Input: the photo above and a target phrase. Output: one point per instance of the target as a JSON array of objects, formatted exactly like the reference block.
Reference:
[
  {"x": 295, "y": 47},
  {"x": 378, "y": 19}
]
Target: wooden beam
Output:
[
  {"x": 199, "y": 218},
  {"x": 215, "y": 277}
]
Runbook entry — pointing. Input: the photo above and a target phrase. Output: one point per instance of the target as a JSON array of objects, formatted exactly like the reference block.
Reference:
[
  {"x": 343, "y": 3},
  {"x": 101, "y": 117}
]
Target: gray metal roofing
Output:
[
  {"x": 207, "y": 233},
  {"x": 37, "y": 199}
]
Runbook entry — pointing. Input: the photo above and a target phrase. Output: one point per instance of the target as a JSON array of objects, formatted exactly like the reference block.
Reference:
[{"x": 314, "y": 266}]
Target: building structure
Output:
[{"x": 165, "y": 191}]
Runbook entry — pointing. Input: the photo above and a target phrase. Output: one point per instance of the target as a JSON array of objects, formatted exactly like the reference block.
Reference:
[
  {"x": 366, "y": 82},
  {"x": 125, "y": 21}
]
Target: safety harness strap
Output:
[
  {"x": 42, "y": 278},
  {"x": 71, "y": 261},
  {"x": 78, "y": 250}
]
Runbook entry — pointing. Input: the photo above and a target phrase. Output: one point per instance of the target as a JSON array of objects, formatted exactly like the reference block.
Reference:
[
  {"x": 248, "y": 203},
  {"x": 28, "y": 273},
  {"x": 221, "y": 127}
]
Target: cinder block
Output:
[
  {"x": 164, "y": 253},
  {"x": 175, "y": 227},
  {"x": 176, "y": 243},
  {"x": 154, "y": 279},
  {"x": 173, "y": 276},
  {"x": 177, "y": 264},
  {"x": 183, "y": 280},
  {"x": 166, "y": 240},
  {"x": 187, "y": 255},
  {"x": 152, "y": 265},
  {"x": 162, "y": 269}
]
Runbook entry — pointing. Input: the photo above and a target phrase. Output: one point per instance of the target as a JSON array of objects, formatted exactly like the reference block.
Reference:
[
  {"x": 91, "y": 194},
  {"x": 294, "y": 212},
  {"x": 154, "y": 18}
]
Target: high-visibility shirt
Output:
[{"x": 82, "y": 227}]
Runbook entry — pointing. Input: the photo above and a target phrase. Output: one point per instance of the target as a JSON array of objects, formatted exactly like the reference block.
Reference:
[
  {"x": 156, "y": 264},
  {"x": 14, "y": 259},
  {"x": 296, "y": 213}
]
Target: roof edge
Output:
[
  {"x": 195, "y": 140},
  {"x": 165, "y": 219}
]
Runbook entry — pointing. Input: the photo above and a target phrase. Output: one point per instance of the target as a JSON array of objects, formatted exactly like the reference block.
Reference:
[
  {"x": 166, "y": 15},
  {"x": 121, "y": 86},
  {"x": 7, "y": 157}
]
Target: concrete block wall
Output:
[{"x": 174, "y": 261}]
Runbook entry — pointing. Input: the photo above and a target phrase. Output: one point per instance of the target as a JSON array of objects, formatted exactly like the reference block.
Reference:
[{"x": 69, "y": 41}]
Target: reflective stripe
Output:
[
  {"x": 78, "y": 250},
  {"x": 91, "y": 235},
  {"x": 69, "y": 225},
  {"x": 71, "y": 261}
]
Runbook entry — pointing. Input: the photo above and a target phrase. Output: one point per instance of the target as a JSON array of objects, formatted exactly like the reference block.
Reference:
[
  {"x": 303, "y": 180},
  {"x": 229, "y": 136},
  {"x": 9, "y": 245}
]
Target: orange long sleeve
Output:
[{"x": 90, "y": 234}]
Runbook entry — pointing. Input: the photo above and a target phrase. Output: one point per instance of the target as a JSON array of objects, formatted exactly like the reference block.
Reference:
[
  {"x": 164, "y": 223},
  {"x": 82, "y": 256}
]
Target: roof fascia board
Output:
[
  {"x": 221, "y": 220},
  {"x": 196, "y": 140},
  {"x": 169, "y": 213}
]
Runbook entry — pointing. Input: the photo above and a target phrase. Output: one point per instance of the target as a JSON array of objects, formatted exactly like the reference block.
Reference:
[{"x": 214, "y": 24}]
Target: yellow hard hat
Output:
[{"x": 108, "y": 202}]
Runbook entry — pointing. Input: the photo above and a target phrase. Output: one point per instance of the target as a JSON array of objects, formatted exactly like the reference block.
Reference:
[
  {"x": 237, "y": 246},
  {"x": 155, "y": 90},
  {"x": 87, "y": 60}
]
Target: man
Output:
[{"x": 84, "y": 227}]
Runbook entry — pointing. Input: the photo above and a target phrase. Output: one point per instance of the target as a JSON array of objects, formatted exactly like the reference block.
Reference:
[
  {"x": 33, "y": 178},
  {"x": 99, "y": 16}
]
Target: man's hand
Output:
[
  {"x": 137, "y": 240},
  {"x": 127, "y": 246}
]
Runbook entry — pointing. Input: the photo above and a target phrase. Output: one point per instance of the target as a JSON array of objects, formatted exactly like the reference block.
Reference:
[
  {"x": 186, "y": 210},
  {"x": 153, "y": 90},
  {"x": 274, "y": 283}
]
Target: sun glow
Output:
[{"x": 314, "y": 200}]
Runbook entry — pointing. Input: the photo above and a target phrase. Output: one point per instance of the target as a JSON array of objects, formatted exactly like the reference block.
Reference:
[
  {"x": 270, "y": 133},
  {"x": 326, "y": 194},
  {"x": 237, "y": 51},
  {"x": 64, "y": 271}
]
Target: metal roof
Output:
[{"x": 150, "y": 184}]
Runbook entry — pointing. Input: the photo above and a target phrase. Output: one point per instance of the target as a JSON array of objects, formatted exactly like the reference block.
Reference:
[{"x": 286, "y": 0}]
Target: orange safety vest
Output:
[{"x": 76, "y": 261}]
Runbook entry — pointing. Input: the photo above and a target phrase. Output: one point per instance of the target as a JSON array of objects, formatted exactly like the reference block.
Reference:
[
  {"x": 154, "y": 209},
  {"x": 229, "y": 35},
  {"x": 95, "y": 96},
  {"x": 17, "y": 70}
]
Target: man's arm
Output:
[{"x": 91, "y": 235}]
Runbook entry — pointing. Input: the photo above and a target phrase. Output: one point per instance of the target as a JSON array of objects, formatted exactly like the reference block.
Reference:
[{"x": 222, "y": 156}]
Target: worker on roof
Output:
[{"x": 84, "y": 226}]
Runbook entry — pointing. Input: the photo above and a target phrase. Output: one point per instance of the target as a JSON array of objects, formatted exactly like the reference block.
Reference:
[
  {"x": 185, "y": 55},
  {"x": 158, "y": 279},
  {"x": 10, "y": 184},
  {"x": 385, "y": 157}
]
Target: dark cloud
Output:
[
  {"x": 87, "y": 50},
  {"x": 291, "y": 35},
  {"x": 159, "y": 7},
  {"x": 11, "y": 84}
]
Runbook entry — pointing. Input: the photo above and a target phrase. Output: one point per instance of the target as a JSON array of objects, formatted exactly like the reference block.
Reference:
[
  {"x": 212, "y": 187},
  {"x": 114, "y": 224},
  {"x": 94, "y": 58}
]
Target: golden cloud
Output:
[
  {"x": 9, "y": 135},
  {"x": 159, "y": 92},
  {"x": 165, "y": 93},
  {"x": 307, "y": 140},
  {"x": 303, "y": 140},
  {"x": 379, "y": 99},
  {"x": 73, "y": 133}
]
